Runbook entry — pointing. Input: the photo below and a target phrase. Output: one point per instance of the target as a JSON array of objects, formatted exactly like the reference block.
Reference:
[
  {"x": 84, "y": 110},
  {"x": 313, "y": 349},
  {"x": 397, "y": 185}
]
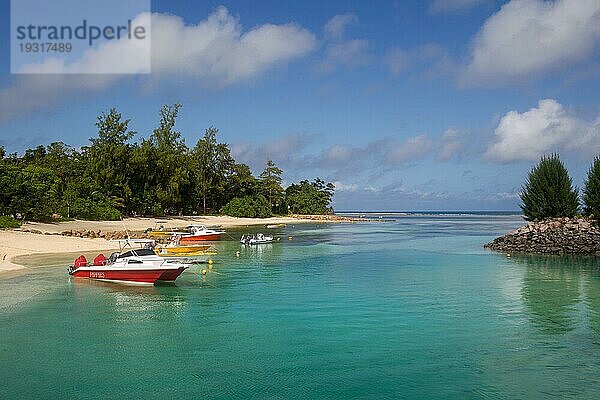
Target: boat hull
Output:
[
  {"x": 182, "y": 250},
  {"x": 131, "y": 276},
  {"x": 199, "y": 238}
]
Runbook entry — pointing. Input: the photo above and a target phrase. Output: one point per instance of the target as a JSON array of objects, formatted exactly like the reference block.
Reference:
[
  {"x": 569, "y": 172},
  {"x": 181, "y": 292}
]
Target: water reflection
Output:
[
  {"x": 142, "y": 302},
  {"x": 551, "y": 289},
  {"x": 593, "y": 303}
]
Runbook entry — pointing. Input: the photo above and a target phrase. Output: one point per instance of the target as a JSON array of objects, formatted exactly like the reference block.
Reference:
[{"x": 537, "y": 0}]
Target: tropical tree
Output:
[
  {"x": 310, "y": 197},
  {"x": 212, "y": 163},
  {"x": 107, "y": 162},
  {"x": 591, "y": 191},
  {"x": 170, "y": 158},
  {"x": 548, "y": 191},
  {"x": 270, "y": 185},
  {"x": 248, "y": 206}
]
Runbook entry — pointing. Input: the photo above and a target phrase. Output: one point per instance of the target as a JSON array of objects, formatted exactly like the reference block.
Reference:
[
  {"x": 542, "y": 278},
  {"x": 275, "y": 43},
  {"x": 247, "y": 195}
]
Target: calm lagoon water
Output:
[{"x": 412, "y": 308}]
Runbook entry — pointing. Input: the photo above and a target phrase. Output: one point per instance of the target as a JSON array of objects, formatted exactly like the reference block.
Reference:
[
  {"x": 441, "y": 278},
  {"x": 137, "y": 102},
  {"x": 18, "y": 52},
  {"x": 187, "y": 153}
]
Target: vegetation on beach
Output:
[
  {"x": 159, "y": 175},
  {"x": 591, "y": 191},
  {"x": 548, "y": 191},
  {"x": 7, "y": 222}
]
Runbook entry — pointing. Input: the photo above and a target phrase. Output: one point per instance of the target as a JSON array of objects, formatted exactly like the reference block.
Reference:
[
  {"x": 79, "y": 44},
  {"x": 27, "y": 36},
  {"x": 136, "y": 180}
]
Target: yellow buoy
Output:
[
  {"x": 203, "y": 272},
  {"x": 210, "y": 261},
  {"x": 237, "y": 253}
]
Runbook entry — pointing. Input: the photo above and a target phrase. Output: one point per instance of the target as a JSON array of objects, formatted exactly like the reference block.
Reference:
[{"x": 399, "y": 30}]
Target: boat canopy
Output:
[{"x": 138, "y": 253}]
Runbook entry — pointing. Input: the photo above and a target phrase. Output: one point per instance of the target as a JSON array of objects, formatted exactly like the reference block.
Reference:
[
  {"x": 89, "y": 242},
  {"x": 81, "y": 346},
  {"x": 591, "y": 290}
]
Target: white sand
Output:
[{"x": 15, "y": 243}]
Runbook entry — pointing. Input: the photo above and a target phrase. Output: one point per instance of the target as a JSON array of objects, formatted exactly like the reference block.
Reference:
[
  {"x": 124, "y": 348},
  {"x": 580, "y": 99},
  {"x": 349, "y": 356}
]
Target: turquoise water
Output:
[{"x": 413, "y": 309}]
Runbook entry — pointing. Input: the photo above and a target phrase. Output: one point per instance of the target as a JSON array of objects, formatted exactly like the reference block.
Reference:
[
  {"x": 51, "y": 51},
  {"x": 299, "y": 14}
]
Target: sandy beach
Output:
[{"x": 16, "y": 242}]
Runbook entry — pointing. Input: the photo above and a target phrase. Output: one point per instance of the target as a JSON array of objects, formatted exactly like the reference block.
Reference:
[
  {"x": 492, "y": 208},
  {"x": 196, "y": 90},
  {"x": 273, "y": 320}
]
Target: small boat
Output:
[
  {"x": 199, "y": 233},
  {"x": 173, "y": 249},
  {"x": 159, "y": 231},
  {"x": 274, "y": 226},
  {"x": 259, "y": 238},
  {"x": 135, "y": 266}
]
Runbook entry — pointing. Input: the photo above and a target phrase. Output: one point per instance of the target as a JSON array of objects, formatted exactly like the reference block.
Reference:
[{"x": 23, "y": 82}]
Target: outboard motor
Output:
[{"x": 80, "y": 261}]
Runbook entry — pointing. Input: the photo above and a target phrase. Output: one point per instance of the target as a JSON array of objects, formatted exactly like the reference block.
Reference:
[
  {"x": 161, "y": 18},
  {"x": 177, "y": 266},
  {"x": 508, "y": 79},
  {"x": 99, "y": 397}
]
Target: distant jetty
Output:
[{"x": 552, "y": 236}]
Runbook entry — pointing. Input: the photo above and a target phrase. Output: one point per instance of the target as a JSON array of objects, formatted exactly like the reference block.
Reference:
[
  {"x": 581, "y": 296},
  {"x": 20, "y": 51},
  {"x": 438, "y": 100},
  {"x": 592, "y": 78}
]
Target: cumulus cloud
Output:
[
  {"x": 215, "y": 52},
  {"x": 413, "y": 148},
  {"x": 336, "y": 26},
  {"x": 340, "y": 51},
  {"x": 454, "y": 6},
  {"x": 543, "y": 129},
  {"x": 345, "y": 187},
  {"x": 526, "y": 38},
  {"x": 452, "y": 144},
  {"x": 285, "y": 150}
]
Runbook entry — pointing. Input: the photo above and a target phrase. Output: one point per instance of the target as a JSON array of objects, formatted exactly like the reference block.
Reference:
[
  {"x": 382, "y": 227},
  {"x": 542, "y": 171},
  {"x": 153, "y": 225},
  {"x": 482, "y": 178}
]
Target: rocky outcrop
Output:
[
  {"x": 553, "y": 236},
  {"x": 83, "y": 233},
  {"x": 329, "y": 218}
]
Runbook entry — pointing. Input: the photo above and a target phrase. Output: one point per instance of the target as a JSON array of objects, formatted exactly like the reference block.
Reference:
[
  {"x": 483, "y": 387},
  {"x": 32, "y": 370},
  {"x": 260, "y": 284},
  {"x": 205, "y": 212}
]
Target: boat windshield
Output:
[{"x": 138, "y": 252}]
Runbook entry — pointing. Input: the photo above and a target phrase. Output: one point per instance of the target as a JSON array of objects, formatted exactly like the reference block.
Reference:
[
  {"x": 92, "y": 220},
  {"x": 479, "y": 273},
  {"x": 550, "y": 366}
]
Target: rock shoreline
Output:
[
  {"x": 553, "y": 236},
  {"x": 122, "y": 234}
]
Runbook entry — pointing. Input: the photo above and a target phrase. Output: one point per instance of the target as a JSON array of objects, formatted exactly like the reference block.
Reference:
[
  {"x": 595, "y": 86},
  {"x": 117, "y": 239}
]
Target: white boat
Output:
[
  {"x": 199, "y": 234},
  {"x": 134, "y": 266},
  {"x": 258, "y": 238}
]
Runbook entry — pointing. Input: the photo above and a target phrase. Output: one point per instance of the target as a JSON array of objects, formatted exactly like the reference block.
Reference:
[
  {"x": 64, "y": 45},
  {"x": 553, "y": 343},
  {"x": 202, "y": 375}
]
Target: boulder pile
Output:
[
  {"x": 552, "y": 236},
  {"x": 83, "y": 233}
]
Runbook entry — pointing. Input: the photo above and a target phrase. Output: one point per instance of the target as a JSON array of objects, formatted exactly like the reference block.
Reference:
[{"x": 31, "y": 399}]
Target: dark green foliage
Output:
[
  {"x": 248, "y": 206},
  {"x": 160, "y": 175},
  {"x": 591, "y": 192},
  {"x": 108, "y": 156},
  {"x": 548, "y": 191},
  {"x": 270, "y": 185},
  {"x": 310, "y": 197},
  {"x": 212, "y": 164},
  {"x": 95, "y": 210},
  {"x": 7, "y": 222}
]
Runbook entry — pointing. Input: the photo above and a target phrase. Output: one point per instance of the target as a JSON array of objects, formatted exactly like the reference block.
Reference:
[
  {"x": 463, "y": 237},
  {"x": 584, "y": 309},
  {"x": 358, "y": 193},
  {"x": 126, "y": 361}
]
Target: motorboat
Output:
[
  {"x": 128, "y": 265},
  {"x": 198, "y": 233},
  {"x": 174, "y": 250},
  {"x": 259, "y": 238},
  {"x": 274, "y": 226},
  {"x": 161, "y": 230}
]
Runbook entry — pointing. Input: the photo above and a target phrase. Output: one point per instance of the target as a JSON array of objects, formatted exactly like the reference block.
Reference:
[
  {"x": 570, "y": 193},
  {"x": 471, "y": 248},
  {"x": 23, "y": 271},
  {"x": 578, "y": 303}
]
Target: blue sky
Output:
[{"x": 405, "y": 105}]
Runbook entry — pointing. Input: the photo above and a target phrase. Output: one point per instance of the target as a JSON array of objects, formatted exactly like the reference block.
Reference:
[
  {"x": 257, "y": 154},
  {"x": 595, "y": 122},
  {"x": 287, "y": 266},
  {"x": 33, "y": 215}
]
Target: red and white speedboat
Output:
[
  {"x": 199, "y": 233},
  {"x": 135, "y": 266}
]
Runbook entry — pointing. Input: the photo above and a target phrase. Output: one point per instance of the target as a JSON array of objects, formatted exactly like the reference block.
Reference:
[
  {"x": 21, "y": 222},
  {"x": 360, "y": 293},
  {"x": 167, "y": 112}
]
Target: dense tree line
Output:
[
  {"x": 117, "y": 176},
  {"x": 548, "y": 191}
]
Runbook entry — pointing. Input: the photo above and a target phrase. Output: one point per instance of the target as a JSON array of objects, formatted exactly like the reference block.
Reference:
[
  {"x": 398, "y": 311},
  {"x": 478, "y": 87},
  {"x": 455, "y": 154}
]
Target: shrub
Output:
[
  {"x": 591, "y": 192},
  {"x": 95, "y": 210},
  {"x": 248, "y": 206},
  {"x": 548, "y": 191},
  {"x": 7, "y": 222}
]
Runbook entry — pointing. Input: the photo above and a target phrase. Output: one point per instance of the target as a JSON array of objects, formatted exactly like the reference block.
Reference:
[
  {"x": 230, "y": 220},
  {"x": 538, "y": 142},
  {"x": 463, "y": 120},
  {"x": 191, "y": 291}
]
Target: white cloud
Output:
[
  {"x": 339, "y": 51},
  {"x": 284, "y": 150},
  {"x": 217, "y": 49},
  {"x": 526, "y": 38},
  {"x": 546, "y": 128},
  {"x": 397, "y": 60},
  {"x": 454, "y": 6},
  {"x": 413, "y": 148},
  {"x": 345, "y": 187},
  {"x": 336, "y": 26},
  {"x": 216, "y": 52},
  {"x": 451, "y": 144}
]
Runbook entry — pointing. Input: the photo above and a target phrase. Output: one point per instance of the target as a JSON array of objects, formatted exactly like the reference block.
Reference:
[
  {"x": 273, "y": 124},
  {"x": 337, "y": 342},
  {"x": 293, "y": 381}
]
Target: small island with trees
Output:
[
  {"x": 117, "y": 177},
  {"x": 551, "y": 204}
]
